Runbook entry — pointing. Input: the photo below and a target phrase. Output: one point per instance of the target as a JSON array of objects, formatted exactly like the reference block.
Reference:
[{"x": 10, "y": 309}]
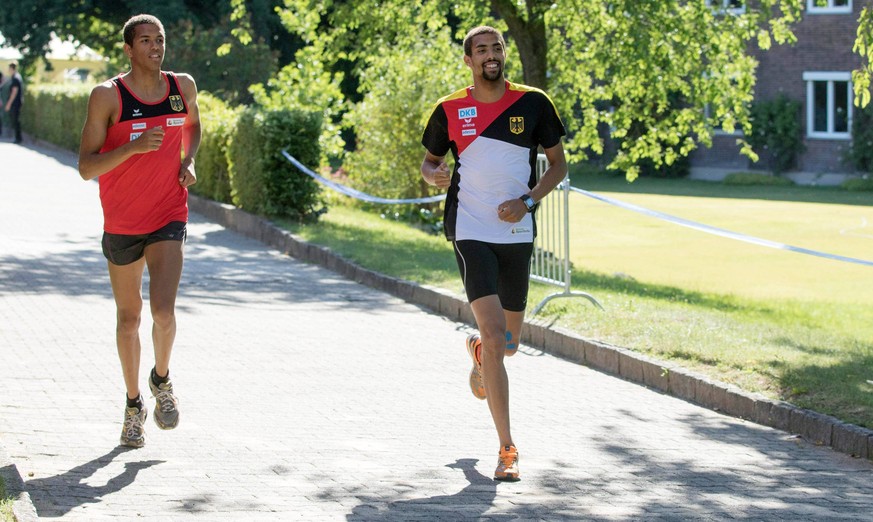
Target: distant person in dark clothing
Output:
[
  {"x": 13, "y": 104},
  {"x": 1, "y": 103}
]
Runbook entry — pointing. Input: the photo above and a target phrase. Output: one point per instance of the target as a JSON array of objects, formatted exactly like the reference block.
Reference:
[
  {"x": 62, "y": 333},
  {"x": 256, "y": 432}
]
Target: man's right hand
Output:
[
  {"x": 150, "y": 140},
  {"x": 442, "y": 178}
]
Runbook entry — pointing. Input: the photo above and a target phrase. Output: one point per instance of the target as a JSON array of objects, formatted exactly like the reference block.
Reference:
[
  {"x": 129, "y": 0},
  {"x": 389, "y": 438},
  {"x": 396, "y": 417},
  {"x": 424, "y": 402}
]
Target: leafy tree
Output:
[
  {"x": 617, "y": 64},
  {"x": 864, "y": 47},
  {"x": 389, "y": 120},
  {"x": 308, "y": 86},
  {"x": 227, "y": 74},
  {"x": 28, "y": 24},
  {"x": 202, "y": 36}
]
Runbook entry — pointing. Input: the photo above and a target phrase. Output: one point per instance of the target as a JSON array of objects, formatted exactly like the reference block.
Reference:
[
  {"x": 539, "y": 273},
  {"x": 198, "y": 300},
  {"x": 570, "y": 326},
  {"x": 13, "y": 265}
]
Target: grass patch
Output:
[
  {"x": 5, "y": 504},
  {"x": 791, "y": 327},
  {"x": 599, "y": 181}
]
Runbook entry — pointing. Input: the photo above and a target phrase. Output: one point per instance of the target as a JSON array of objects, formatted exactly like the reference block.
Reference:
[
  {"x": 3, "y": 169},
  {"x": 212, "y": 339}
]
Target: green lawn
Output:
[
  {"x": 790, "y": 326},
  {"x": 5, "y": 504},
  {"x": 610, "y": 240}
]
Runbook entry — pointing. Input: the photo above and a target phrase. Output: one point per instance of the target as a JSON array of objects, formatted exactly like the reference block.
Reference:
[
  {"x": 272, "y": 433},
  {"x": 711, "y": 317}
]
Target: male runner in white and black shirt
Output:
[{"x": 494, "y": 129}]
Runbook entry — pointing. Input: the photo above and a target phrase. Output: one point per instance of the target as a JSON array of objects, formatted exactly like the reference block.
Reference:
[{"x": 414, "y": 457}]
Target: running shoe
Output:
[
  {"x": 166, "y": 405},
  {"x": 474, "y": 348},
  {"x": 507, "y": 465},
  {"x": 133, "y": 431}
]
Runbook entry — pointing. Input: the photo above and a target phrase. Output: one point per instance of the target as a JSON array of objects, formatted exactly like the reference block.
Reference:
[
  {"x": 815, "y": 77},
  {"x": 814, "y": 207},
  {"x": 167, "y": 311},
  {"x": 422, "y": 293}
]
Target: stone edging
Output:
[
  {"x": 23, "y": 509},
  {"x": 669, "y": 378}
]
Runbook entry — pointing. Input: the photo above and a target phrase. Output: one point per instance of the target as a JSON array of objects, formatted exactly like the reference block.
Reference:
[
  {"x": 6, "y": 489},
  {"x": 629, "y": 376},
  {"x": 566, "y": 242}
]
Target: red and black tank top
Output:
[{"x": 143, "y": 194}]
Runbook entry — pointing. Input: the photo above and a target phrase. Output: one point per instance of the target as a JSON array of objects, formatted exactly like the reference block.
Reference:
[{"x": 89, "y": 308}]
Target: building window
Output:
[
  {"x": 728, "y": 6},
  {"x": 828, "y": 104},
  {"x": 828, "y": 6}
]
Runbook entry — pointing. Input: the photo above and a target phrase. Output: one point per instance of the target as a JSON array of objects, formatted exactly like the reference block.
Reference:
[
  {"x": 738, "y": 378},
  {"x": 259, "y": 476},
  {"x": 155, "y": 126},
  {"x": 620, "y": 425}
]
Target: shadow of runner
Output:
[
  {"x": 470, "y": 503},
  {"x": 57, "y": 495}
]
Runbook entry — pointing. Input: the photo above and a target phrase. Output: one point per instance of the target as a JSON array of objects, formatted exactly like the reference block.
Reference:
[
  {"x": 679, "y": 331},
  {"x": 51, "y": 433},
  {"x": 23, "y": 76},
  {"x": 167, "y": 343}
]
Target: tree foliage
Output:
[
  {"x": 389, "y": 120},
  {"x": 644, "y": 69},
  {"x": 201, "y": 36},
  {"x": 226, "y": 74},
  {"x": 864, "y": 47},
  {"x": 29, "y": 24}
]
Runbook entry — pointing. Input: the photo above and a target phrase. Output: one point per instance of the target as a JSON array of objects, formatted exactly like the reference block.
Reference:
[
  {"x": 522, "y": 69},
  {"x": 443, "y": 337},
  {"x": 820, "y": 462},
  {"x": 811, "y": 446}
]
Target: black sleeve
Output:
[
  {"x": 436, "y": 134},
  {"x": 549, "y": 127}
]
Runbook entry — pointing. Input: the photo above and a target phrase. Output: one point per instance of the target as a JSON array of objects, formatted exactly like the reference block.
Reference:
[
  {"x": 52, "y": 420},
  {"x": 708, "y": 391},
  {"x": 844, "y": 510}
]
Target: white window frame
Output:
[
  {"x": 813, "y": 8},
  {"x": 830, "y": 78},
  {"x": 724, "y": 7}
]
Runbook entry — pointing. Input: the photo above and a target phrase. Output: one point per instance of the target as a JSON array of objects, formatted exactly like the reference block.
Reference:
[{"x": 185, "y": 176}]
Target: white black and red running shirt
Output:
[
  {"x": 143, "y": 193},
  {"x": 495, "y": 149}
]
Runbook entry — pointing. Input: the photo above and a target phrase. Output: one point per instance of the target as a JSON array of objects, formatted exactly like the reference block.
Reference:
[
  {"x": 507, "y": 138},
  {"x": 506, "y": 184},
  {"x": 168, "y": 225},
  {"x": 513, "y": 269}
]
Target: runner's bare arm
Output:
[
  {"x": 192, "y": 131},
  {"x": 553, "y": 175},
  {"x": 102, "y": 108},
  {"x": 435, "y": 171}
]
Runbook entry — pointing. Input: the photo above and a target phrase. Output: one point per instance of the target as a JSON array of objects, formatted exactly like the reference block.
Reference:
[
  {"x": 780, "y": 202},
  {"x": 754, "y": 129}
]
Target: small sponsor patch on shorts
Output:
[
  {"x": 138, "y": 126},
  {"x": 521, "y": 230},
  {"x": 175, "y": 122},
  {"x": 468, "y": 132},
  {"x": 135, "y": 135}
]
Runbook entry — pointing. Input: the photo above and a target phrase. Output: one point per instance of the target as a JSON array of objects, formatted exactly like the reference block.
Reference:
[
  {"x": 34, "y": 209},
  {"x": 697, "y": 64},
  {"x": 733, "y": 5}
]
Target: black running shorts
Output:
[
  {"x": 122, "y": 249},
  {"x": 495, "y": 269}
]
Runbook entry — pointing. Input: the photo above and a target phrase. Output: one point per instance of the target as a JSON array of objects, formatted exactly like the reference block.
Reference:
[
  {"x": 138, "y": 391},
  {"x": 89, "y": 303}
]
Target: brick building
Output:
[{"x": 816, "y": 71}]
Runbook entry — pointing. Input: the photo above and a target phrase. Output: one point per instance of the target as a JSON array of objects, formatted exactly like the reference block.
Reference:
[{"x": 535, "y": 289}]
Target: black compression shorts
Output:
[{"x": 495, "y": 269}]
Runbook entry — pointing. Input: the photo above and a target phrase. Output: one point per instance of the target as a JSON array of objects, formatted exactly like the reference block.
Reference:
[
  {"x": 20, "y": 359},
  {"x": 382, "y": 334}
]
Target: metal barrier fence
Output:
[{"x": 551, "y": 257}]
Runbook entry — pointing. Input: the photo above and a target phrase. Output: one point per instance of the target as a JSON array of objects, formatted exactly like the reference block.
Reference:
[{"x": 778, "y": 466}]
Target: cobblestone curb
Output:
[
  {"x": 666, "y": 377},
  {"x": 22, "y": 506}
]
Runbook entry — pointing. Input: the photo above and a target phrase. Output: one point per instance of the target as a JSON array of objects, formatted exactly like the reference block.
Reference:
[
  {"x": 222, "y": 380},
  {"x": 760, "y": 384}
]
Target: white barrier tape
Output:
[
  {"x": 348, "y": 191},
  {"x": 718, "y": 231},
  {"x": 627, "y": 206}
]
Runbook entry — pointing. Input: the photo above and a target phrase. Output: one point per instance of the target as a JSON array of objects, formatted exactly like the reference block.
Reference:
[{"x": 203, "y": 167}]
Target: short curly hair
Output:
[
  {"x": 476, "y": 31},
  {"x": 130, "y": 26}
]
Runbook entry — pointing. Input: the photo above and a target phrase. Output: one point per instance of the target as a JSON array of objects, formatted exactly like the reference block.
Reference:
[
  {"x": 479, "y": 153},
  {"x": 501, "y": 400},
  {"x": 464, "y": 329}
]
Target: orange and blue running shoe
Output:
[
  {"x": 474, "y": 348},
  {"x": 507, "y": 465}
]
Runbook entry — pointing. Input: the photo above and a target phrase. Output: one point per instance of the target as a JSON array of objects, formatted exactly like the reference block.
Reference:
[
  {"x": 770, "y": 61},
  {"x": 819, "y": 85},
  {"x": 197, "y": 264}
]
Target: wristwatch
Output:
[{"x": 528, "y": 203}]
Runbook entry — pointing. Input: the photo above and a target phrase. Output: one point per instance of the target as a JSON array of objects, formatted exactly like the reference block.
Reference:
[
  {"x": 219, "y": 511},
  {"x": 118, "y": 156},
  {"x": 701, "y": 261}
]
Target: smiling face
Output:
[
  {"x": 147, "y": 47},
  {"x": 487, "y": 57}
]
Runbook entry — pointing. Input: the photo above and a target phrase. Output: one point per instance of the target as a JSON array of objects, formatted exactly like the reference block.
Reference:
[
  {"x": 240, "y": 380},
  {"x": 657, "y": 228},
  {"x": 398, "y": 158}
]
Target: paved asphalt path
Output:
[{"x": 305, "y": 396}]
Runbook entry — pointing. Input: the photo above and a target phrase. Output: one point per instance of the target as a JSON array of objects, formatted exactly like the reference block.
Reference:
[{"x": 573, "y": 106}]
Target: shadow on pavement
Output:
[
  {"x": 219, "y": 266},
  {"x": 76, "y": 492},
  {"x": 470, "y": 503},
  {"x": 796, "y": 485}
]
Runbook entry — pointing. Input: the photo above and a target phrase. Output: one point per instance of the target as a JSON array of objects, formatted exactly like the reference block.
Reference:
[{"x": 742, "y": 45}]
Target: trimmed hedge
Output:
[
  {"x": 776, "y": 132},
  {"x": 218, "y": 123},
  {"x": 755, "y": 178},
  {"x": 239, "y": 159},
  {"x": 264, "y": 182},
  {"x": 860, "y": 153},
  {"x": 858, "y": 185},
  {"x": 55, "y": 113}
]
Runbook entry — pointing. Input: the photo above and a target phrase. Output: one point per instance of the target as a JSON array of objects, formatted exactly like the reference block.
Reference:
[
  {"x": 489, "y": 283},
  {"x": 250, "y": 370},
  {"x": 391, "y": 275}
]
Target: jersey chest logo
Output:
[
  {"x": 516, "y": 124},
  {"x": 176, "y": 102}
]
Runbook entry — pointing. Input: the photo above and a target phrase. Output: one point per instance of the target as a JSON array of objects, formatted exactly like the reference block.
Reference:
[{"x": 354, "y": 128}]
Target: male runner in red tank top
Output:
[{"x": 138, "y": 127}]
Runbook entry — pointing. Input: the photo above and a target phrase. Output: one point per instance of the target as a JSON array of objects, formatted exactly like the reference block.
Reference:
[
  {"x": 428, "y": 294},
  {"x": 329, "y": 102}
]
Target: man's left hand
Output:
[
  {"x": 187, "y": 176},
  {"x": 511, "y": 211}
]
